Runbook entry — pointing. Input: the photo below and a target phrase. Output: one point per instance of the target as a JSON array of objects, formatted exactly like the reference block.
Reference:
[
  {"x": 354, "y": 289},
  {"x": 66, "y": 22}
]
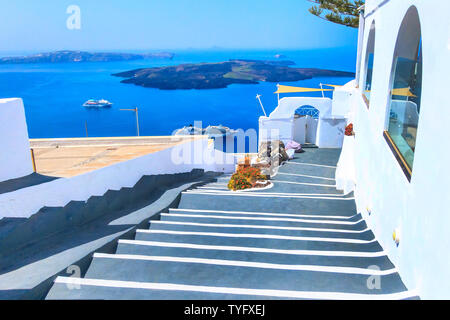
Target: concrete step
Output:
[
  {"x": 282, "y": 188},
  {"x": 213, "y": 187},
  {"x": 309, "y": 146},
  {"x": 255, "y": 229},
  {"x": 304, "y": 178},
  {"x": 267, "y": 197},
  {"x": 285, "y": 186},
  {"x": 240, "y": 274},
  {"x": 355, "y": 226},
  {"x": 88, "y": 289},
  {"x": 298, "y": 215},
  {"x": 262, "y": 203},
  {"x": 294, "y": 257},
  {"x": 117, "y": 290},
  {"x": 281, "y": 185},
  {"x": 328, "y": 157},
  {"x": 223, "y": 179},
  {"x": 259, "y": 241},
  {"x": 309, "y": 168}
]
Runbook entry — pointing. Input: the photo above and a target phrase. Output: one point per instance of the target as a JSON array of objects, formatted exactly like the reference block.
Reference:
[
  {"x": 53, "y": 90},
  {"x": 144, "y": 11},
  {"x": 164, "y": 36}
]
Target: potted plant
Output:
[
  {"x": 246, "y": 178},
  {"x": 349, "y": 130}
]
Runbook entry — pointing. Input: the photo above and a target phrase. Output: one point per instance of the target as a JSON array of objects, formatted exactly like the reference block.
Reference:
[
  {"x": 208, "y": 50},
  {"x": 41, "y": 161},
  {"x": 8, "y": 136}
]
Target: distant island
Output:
[
  {"x": 82, "y": 56},
  {"x": 222, "y": 74}
]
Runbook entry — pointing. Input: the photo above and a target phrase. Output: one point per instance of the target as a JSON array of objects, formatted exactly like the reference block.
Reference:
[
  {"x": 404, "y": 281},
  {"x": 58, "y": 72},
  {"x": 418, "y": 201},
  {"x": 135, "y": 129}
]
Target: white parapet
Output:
[
  {"x": 184, "y": 157},
  {"x": 345, "y": 171},
  {"x": 330, "y": 132},
  {"x": 341, "y": 99},
  {"x": 15, "y": 157}
]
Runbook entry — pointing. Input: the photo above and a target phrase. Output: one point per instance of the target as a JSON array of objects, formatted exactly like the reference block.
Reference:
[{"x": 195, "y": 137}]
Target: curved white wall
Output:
[{"x": 15, "y": 157}]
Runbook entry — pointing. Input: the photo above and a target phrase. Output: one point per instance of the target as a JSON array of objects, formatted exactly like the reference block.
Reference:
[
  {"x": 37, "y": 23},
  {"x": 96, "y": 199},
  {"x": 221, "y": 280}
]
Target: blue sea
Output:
[{"x": 53, "y": 94}]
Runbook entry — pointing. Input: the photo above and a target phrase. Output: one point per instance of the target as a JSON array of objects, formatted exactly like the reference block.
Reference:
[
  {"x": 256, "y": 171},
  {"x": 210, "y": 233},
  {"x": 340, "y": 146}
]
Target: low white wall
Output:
[
  {"x": 341, "y": 99},
  {"x": 15, "y": 157},
  {"x": 345, "y": 171},
  {"x": 299, "y": 134},
  {"x": 276, "y": 129},
  {"x": 282, "y": 125},
  {"x": 330, "y": 132},
  {"x": 198, "y": 154}
]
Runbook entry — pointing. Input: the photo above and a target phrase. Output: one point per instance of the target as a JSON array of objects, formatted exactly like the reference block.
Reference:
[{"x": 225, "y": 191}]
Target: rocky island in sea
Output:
[
  {"x": 83, "y": 56},
  {"x": 222, "y": 74}
]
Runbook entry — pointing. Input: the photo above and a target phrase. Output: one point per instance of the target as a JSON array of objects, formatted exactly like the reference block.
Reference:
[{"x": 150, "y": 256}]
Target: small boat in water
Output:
[{"x": 102, "y": 103}]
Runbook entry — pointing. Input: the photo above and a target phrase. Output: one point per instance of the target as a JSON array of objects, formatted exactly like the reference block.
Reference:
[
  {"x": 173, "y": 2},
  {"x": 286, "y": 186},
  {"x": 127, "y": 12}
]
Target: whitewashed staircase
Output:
[{"x": 301, "y": 239}]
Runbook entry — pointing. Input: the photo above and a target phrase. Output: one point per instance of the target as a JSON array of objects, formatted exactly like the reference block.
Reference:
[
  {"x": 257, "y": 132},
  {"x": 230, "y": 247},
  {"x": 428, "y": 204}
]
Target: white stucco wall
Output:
[
  {"x": 15, "y": 157},
  {"x": 276, "y": 129},
  {"x": 281, "y": 122},
  {"x": 345, "y": 171},
  {"x": 341, "y": 99},
  {"x": 418, "y": 208},
  {"x": 311, "y": 129},
  {"x": 330, "y": 132},
  {"x": 199, "y": 154},
  {"x": 299, "y": 134}
]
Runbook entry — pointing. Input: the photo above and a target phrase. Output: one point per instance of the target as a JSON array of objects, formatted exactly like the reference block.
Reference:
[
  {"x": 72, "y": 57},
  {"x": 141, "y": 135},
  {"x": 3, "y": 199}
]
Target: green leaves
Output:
[{"x": 344, "y": 12}]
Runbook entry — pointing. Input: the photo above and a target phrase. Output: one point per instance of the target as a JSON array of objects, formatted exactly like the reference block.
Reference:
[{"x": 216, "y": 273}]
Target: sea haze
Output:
[{"x": 53, "y": 94}]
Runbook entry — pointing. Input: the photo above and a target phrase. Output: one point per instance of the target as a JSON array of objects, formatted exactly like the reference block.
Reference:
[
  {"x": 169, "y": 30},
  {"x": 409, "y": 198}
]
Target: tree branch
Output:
[{"x": 344, "y": 12}]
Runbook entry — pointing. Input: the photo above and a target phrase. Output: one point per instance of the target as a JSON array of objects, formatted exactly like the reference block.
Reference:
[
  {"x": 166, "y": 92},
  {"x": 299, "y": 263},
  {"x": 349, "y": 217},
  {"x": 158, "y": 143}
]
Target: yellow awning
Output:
[
  {"x": 405, "y": 92},
  {"x": 288, "y": 89}
]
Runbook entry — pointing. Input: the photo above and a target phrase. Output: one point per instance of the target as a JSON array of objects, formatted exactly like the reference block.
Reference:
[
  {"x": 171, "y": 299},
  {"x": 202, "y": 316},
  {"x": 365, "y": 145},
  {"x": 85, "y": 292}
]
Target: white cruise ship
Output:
[{"x": 102, "y": 103}]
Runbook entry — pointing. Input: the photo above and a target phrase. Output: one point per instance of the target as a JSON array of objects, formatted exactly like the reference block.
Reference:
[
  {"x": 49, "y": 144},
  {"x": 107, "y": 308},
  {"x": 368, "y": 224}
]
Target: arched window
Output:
[
  {"x": 307, "y": 111},
  {"x": 370, "y": 50},
  {"x": 405, "y": 94}
]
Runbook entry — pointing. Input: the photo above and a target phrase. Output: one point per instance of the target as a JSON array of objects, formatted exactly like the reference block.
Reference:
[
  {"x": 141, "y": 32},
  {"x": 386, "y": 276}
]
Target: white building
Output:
[
  {"x": 397, "y": 162},
  {"x": 401, "y": 150}
]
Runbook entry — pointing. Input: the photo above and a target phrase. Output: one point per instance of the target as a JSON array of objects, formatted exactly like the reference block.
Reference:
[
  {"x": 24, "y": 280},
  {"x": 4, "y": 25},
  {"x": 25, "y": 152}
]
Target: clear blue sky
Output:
[{"x": 31, "y": 25}]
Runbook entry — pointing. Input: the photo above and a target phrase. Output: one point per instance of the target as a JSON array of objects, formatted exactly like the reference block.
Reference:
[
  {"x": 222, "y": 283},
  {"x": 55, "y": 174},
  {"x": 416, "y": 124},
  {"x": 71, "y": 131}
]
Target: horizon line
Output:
[{"x": 178, "y": 49}]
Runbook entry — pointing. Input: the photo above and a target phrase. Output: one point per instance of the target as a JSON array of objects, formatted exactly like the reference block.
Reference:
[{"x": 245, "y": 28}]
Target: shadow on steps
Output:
[
  {"x": 101, "y": 219},
  {"x": 24, "y": 182}
]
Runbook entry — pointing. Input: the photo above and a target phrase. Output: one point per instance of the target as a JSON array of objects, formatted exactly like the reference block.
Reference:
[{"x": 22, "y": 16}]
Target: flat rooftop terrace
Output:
[{"x": 75, "y": 156}]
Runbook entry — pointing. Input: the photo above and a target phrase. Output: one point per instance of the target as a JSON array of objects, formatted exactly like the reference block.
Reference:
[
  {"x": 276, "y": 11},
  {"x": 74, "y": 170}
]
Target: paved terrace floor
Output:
[
  {"x": 71, "y": 157},
  {"x": 301, "y": 239}
]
